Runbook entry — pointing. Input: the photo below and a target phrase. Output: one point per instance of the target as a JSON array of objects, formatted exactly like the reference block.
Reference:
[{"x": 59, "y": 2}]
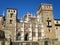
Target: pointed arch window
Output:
[
  {"x": 26, "y": 37},
  {"x": 46, "y": 42},
  {"x": 18, "y": 36}
]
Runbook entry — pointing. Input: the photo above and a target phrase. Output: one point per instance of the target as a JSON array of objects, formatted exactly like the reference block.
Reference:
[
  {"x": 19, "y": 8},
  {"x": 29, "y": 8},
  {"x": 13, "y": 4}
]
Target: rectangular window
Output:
[
  {"x": 49, "y": 24},
  {"x": 10, "y": 21}
]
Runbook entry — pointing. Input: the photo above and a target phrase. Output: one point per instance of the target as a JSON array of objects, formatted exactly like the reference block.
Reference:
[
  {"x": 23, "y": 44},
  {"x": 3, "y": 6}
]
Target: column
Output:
[
  {"x": 30, "y": 34},
  {"x": 22, "y": 34},
  {"x": 36, "y": 30}
]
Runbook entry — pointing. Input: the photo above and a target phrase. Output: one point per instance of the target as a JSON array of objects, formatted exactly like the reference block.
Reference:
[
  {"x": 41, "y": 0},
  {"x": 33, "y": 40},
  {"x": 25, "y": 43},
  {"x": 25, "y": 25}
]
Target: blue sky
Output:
[{"x": 24, "y": 6}]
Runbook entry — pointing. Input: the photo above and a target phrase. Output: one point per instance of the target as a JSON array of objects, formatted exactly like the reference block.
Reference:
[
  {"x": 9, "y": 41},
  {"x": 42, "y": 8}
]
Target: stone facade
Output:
[
  {"x": 31, "y": 30},
  {"x": 57, "y": 28}
]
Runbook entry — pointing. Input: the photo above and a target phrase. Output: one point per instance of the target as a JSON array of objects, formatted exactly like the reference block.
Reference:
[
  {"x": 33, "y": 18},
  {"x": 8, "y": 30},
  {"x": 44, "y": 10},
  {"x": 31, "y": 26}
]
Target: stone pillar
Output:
[
  {"x": 22, "y": 35},
  {"x": 30, "y": 32},
  {"x": 36, "y": 32}
]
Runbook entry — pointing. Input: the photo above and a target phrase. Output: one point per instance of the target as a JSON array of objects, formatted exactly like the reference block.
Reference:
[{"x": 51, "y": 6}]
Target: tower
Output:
[
  {"x": 11, "y": 22},
  {"x": 47, "y": 19}
]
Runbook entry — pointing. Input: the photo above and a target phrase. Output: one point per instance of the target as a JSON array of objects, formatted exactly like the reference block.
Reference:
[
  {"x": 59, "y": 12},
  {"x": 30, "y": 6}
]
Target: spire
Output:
[{"x": 3, "y": 13}]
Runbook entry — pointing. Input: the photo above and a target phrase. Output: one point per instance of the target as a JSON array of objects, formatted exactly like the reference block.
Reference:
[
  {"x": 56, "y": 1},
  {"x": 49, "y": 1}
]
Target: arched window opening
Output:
[
  {"x": 26, "y": 37},
  {"x": 18, "y": 36},
  {"x": 46, "y": 42}
]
